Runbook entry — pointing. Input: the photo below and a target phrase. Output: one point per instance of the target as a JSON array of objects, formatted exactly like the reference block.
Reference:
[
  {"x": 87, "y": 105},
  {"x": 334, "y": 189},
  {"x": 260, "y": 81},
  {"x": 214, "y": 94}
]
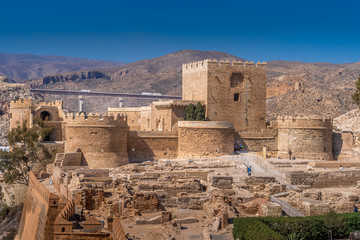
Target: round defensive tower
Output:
[
  {"x": 102, "y": 140},
  {"x": 306, "y": 137},
  {"x": 205, "y": 138}
]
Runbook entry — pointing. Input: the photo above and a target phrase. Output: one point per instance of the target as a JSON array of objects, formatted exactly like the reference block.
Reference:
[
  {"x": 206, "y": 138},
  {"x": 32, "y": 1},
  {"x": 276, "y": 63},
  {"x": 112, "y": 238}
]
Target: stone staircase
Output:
[
  {"x": 287, "y": 208},
  {"x": 59, "y": 159}
]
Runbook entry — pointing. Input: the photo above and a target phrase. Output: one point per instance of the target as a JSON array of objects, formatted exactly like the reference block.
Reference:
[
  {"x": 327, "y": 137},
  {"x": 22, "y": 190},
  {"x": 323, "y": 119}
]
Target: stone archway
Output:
[{"x": 45, "y": 116}]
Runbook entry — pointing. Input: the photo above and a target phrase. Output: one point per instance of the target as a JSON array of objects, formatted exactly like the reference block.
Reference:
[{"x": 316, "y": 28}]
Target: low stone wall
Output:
[
  {"x": 324, "y": 179},
  {"x": 118, "y": 231},
  {"x": 334, "y": 164},
  {"x": 148, "y": 145},
  {"x": 205, "y": 138}
]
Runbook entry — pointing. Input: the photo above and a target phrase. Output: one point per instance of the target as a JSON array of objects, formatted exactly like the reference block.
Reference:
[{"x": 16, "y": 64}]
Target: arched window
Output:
[
  {"x": 63, "y": 229},
  {"x": 45, "y": 116},
  {"x": 237, "y": 80}
]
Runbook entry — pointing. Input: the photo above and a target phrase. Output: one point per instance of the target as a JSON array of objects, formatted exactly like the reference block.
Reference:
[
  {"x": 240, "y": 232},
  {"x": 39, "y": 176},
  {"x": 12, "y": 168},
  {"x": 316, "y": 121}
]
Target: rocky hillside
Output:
[
  {"x": 162, "y": 74},
  {"x": 349, "y": 121},
  {"x": 22, "y": 67},
  {"x": 310, "y": 88},
  {"x": 294, "y": 88},
  {"x": 9, "y": 92}
]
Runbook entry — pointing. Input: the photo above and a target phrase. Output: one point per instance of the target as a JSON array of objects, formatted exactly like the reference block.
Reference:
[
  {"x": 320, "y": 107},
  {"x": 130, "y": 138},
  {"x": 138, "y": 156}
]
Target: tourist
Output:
[
  {"x": 290, "y": 153},
  {"x": 355, "y": 209},
  {"x": 249, "y": 171},
  {"x": 341, "y": 167},
  {"x": 241, "y": 147}
]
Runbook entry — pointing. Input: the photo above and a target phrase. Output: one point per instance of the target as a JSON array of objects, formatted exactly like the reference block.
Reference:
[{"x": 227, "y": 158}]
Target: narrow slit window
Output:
[{"x": 236, "y": 97}]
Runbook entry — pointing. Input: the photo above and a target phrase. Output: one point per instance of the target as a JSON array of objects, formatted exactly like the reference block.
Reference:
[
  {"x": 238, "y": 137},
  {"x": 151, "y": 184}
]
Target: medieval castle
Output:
[{"x": 234, "y": 96}]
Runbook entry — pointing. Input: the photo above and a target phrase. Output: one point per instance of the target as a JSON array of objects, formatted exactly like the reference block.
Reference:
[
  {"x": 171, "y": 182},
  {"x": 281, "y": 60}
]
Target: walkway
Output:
[{"x": 262, "y": 167}]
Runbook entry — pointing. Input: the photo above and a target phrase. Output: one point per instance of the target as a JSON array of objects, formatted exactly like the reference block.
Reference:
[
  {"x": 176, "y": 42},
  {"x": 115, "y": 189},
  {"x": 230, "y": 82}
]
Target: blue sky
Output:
[{"x": 309, "y": 31}]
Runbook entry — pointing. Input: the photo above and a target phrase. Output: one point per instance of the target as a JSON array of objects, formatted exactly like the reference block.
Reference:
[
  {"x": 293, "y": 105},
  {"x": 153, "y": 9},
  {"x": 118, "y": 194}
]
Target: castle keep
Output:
[{"x": 234, "y": 98}]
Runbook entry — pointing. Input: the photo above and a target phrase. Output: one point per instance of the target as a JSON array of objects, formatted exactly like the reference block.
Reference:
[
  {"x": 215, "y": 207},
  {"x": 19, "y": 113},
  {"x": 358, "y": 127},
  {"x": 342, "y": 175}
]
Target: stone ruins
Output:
[{"x": 145, "y": 173}]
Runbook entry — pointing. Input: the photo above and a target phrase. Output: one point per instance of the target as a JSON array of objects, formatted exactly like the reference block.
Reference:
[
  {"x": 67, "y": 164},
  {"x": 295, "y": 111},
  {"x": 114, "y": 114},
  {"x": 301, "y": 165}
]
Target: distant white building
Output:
[{"x": 5, "y": 148}]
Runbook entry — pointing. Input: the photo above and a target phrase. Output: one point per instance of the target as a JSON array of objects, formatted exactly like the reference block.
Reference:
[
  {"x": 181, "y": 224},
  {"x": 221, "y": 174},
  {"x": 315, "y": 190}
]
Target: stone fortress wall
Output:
[
  {"x": 309, "y": 138},
  {"x": 205, "y": 138},
  {"x": 39, "y": 212},
  {"x": 101, "y": 139},
  {"x": 232, "y": 92}
]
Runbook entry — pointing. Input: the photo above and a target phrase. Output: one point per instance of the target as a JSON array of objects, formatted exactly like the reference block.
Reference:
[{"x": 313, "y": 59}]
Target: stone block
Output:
[
  {"x": 222, "y": 182},
  {"x": 271, "y": 210},
  {"x": 315, "y": 207}
]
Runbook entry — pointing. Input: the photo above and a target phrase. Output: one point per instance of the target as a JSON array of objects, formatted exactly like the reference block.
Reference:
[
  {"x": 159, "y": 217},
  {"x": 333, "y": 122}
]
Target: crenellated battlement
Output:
[
  {"x": 68, "y": 211},
  {"x": 206, "y": 62},
  {"x": 302, "y": 118},
  {"x": 21, "y": 103},
  {"x": 56, "y": 103},
  {"x": 304, "y": 122},
  {"x": 95, "y": 119}
]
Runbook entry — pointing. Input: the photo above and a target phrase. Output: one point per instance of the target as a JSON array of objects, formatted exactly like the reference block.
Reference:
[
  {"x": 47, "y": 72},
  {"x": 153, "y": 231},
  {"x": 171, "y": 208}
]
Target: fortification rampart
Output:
[
  {"x": 102, "y": 139},
  {"x": 205, "y": 139},
  {"x": 21, "y": 103},
  {"x": 95, "y": 119},
  {"x": 284, "y": 122},
  {"x": 235, "y": 65},
  {"x": 147, "y": 145},
  {"x": 256, "y": 140},
  {"x": 38, "y": 211},
  {"x": 305, "y": 137},
  {"x": 56, "y": 103}
]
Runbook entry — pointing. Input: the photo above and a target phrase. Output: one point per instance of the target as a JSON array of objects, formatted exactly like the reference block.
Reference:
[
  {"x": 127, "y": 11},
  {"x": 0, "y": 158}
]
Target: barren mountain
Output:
[
  {"x": 22, "y": 67},
  {"x": 294, "y": 88},
  {"x": 162, "y": 75}
]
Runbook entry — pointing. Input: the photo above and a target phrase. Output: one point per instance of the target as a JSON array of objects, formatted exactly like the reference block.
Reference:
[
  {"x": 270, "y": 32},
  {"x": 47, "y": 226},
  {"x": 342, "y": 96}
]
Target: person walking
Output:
[
  {"x": 290, "y": 154},
  {"x": 249, "y": 171}
]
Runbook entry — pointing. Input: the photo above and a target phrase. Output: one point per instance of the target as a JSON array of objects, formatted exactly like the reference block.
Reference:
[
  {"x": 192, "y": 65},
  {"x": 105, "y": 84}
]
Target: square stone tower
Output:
[{"x": 232, "y": 91}]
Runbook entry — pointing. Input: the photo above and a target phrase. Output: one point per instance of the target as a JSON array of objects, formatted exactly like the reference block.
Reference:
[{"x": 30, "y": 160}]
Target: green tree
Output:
[
  {"x": 199, "y": 113},
  {"x": 27, "y": 149},
  {"x": 189, "y": 112},
  {"x": 333, "y": 221},
  {"x": 356, "y": 95}
]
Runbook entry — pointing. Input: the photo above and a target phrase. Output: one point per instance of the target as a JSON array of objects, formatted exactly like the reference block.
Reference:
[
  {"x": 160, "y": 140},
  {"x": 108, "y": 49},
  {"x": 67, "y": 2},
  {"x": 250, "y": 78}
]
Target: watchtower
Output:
[{"x": 232, "y": 91}]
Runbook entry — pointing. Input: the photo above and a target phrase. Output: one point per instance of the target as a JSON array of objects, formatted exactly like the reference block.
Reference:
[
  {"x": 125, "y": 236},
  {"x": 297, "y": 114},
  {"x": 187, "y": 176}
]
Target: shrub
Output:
[
  {"x": 253, "y": 229},
  {"x": 305, "y": 228},
  {"x": 193, "y": 113}
]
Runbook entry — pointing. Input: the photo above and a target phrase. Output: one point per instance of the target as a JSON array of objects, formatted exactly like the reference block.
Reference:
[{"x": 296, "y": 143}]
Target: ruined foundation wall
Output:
[
  {"x": 324, "y": 179},
  {"x": 308, "y": 138},
  {"x": 205, "y": 139},
  {"x": 152, "y": 145}
]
